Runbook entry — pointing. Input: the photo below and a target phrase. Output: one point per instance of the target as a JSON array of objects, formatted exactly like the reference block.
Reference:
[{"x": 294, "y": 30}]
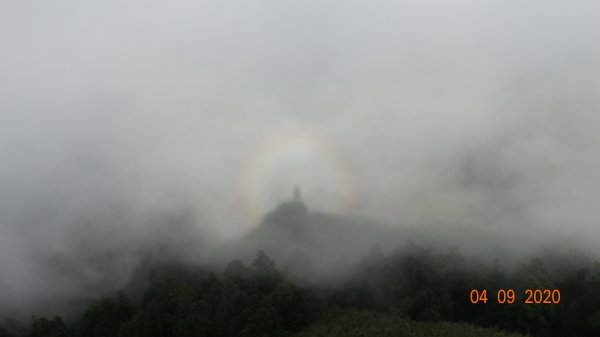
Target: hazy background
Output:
[{"x": 116, "y": 118}]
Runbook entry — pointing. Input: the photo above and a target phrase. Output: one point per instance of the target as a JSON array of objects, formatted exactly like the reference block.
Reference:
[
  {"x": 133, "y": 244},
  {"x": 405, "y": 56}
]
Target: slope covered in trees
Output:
[
  {"x": 366, "y": 324},
  {"x": 412, "y": 292}
]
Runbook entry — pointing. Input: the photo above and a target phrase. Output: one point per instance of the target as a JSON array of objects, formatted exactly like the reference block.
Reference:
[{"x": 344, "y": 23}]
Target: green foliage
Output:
[
  {"x": 4, "y": 333},
  {"x": 366, "y": 324},
  {"x": 243, "y": 301},
  {"x": 265, "y": 274},
  {"x": 418, "y": 284},
  {"x": 104, "y": 318},
  {"x": 412, "y": 292},
  {"x": 42, "y": 327},
  {"x": 179, "y": 304},
  {"x": 583, "y": 315}
]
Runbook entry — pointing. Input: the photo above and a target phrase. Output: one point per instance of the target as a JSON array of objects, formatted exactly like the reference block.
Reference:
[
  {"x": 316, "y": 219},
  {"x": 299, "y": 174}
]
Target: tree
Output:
[
  {"x": 265, "y": 274},
  {"x": 104, "y": 318},
  {"x": 42, "y": 327},
  {"x": 4, "y": 333}
]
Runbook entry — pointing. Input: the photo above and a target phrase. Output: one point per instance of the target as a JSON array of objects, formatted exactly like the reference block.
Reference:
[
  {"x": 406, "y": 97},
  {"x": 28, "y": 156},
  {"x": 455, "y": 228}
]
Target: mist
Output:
[{"x": 143, "y": 126}]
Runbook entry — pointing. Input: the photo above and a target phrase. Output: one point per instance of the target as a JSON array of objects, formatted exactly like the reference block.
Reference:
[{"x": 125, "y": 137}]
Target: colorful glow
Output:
[{"x": 292, "y": 158}]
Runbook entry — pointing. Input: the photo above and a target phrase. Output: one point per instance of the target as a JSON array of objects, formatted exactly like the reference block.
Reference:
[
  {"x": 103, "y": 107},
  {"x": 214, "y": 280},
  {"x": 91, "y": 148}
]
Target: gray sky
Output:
[{"x": 477, "y": 113}]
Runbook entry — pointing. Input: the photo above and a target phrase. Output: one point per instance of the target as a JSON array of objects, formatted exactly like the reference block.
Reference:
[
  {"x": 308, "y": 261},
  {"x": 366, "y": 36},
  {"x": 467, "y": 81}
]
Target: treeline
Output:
[
  {"x": 243, "y": 300},
  {"x": 424, "y": 286},
  {"x": 391, "y": 293}
]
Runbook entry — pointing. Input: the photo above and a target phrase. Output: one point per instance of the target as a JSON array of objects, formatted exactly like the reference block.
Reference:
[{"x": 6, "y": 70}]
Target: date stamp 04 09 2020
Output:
[{"x": 531, "y": 296}]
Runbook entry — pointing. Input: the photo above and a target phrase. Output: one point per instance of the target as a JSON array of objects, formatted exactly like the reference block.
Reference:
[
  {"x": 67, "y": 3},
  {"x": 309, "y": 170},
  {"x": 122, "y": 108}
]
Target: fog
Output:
[{"x": 130, "y": 126}]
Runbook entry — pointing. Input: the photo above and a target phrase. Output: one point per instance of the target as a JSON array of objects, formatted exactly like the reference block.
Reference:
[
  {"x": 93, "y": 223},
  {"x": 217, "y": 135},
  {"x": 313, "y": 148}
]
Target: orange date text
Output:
[{"x": 508, "y": 296}]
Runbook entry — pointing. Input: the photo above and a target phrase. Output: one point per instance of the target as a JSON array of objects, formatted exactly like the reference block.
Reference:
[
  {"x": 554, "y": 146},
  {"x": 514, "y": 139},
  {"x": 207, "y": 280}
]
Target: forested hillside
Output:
[{"x": 412, "y": 292}]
